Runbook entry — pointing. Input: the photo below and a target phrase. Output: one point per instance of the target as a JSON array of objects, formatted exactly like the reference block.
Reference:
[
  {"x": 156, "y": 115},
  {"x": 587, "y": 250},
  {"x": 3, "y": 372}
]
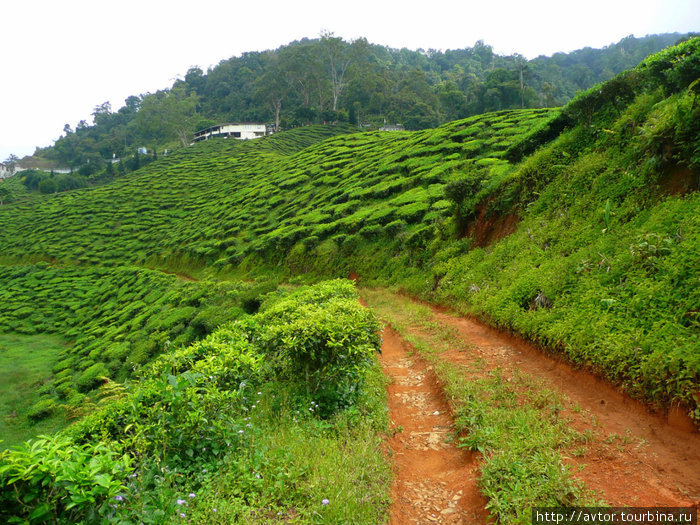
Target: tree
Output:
[
  {"x": 74, "y": 150},
  {"x": 339, "y": 56},
  {"x": 48, "y": 185},
  {"x": 195, "y": 80},
  {"x": 5, "y": 195},
  {"x": 522, "y": 66},
  {"x": 168, "y": 114},
  {"x": 101, "y": 113},
  {"x": 272, "y": 88},
  {"x": 11, "y": 162},
  {"x": 301, "y": 67}
]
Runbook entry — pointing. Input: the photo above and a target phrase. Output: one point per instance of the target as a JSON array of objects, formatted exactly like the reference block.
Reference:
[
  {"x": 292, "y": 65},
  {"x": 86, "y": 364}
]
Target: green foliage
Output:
[
  {"x": 116, "y": 319},
  {"x": 51, "y": 478},
  {"x": 91, "y": 377},
  {"x": 213, "y": 425},
  {"x": 588, "y": 246},
  {"x": 328, "y": 80},
  {"x": 321, "y": 340},
  {"x": 41, "y": 409},
  {"x": 351, "y": 182},
  {"x": 48, "y": 185}
]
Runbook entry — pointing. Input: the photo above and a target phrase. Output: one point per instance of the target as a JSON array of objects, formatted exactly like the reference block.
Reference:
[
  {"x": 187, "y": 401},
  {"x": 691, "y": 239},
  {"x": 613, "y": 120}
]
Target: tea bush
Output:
[
  {"x": 209, "y": 415},
  {"x": 113, "y": 319}
]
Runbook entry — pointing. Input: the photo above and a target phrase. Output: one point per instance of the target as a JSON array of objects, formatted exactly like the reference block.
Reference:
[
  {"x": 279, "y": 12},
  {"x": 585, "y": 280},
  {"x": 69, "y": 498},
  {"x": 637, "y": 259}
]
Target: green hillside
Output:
[
  {"x": 328, "y": 79},
  {"x": 578, "y": 228}
]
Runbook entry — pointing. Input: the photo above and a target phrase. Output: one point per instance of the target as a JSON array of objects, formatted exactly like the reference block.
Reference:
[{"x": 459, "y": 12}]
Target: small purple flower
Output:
[
  {"x": 192, "y": 494},
  {"x": 325, "y": 502},
  {"x": 182, "y": 514},
  {"x": 204, "y": 471},
  {"x": 214, "y": 509},
  {"x": 240, "y": 432},
  {"x": 181, "y": 501},
  {"x": 118, "y": 498}
]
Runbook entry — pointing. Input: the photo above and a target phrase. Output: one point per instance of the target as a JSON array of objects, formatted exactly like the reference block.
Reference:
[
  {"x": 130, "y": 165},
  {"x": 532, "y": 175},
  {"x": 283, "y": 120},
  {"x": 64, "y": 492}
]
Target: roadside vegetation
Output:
[{"x": 227, "y": 430}]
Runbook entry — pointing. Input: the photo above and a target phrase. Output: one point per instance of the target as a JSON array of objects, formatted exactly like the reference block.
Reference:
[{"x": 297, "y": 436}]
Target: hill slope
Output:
[
  {"x": 578, "y": 228},
  {"x": 602, "y": 264}
]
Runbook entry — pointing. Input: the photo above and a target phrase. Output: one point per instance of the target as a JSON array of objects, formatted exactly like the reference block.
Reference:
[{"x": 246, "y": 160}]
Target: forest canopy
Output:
[{"x": 328, "y": 79}]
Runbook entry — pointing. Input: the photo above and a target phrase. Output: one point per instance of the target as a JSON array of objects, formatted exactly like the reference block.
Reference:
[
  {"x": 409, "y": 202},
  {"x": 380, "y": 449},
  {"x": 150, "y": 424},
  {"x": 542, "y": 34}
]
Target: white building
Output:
[
  {"x": 236, "y": 130},
  {"x": 6, "y": 172}
]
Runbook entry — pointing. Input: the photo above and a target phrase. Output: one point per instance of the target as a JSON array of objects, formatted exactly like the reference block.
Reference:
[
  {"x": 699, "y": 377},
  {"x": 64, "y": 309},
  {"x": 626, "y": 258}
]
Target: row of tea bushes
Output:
[
  {"x": 115, "y": 319},
  {"x": 218, "y": 430},
  {"x": 221, "y": 201}
]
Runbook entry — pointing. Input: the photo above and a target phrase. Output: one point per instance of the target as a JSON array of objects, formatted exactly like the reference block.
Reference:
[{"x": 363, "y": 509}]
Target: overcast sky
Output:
[{"x": 61, "y": 58}]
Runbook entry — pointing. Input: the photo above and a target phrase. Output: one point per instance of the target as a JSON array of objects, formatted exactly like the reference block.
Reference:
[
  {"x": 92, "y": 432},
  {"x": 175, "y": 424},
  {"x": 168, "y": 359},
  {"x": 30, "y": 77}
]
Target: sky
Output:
[{"x": 61, "y": 59}]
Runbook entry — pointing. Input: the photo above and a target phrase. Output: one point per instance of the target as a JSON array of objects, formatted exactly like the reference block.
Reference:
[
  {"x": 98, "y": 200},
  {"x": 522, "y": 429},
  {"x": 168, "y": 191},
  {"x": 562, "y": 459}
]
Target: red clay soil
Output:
[
  {"x": 488, "y": 229},
  {"x": 636, "y": 458},
  {"x": 679, "y": 180},
  {"x": 435, "y": 482}
]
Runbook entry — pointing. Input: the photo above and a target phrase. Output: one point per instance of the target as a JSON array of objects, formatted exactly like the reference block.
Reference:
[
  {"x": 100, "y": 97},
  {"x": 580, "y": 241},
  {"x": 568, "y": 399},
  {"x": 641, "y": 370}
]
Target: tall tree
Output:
[
  {"x": 272, "y": 88},
  {"x": 168, "y": 114},
  {"x": 301, "y": 66},
  {"x": 338, "y": 57},
  {"x": 11, "y": 162}
]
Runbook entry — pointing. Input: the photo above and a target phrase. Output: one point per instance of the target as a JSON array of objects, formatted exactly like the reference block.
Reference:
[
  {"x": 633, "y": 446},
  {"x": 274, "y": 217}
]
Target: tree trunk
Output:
[{"x": 278, "y": 109}]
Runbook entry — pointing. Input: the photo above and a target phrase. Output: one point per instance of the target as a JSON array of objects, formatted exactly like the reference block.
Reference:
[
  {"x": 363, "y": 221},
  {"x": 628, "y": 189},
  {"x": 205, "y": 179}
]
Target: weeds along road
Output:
[{"x": 608, "y": 448}]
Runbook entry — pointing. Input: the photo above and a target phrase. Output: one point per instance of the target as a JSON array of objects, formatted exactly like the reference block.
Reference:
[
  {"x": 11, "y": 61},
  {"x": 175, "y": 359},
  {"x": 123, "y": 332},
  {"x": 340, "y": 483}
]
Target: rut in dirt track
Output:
[{"x": 435, "y": 482}]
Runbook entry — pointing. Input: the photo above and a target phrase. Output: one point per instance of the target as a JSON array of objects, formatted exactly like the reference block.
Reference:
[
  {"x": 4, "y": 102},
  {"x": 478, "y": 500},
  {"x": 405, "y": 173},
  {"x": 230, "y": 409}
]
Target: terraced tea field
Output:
[{"x": 158, "y": 299}]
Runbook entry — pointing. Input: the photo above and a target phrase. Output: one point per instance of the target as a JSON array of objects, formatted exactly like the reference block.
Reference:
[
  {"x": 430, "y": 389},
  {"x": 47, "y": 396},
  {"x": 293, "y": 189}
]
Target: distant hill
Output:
[{"x": 330, "y": 80}]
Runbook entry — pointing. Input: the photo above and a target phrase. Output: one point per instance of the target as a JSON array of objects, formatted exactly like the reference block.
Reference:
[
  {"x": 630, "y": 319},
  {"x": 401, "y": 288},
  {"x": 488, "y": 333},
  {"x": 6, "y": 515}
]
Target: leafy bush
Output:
[
  {"x": 316, "y": 346},
  {"x": 92, "y": 377},
  {"x": 52, "y": 478},
  {"x": 41, "y": 409},
  {"x": 213, "y": 414}
]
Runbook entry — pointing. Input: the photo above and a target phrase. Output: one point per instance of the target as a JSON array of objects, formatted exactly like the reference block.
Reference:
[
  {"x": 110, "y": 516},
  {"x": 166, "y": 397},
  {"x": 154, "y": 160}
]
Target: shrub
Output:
[
  {"x": 41, "y": 409},
  {"x": 48, "y": 185},
  {"x": 321, "y": 339},
  {"x": 55, "y": 480},
  {"x": 92, "y": 377}
]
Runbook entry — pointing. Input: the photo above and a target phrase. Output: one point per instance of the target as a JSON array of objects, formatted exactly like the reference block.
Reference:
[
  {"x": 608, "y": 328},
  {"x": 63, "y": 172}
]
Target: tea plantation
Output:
[
  {"x": 226, "y": 430},
  {"x": 577, "y": 227}
]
